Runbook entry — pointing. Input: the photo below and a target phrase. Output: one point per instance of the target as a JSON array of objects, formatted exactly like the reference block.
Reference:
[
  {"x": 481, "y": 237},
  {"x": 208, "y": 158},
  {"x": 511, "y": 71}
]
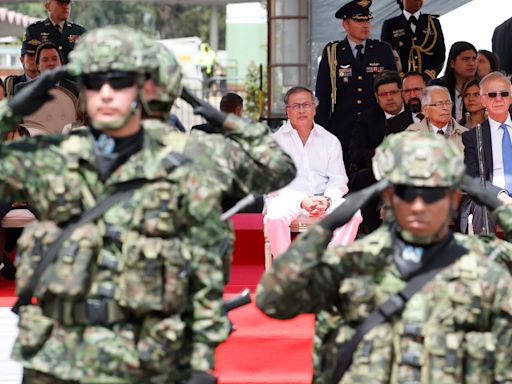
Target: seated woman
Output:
[
  {"x": 472, "y": 108},
  {"x": 486, "y": 62}
]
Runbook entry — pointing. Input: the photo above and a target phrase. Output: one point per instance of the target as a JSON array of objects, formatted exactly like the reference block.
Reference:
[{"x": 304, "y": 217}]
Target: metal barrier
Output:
[{"x": 218, "y": 86}]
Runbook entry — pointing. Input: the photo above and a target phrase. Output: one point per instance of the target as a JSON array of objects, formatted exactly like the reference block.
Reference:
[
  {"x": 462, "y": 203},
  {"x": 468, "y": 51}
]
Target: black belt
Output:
[{"x": 88, "y": 312}]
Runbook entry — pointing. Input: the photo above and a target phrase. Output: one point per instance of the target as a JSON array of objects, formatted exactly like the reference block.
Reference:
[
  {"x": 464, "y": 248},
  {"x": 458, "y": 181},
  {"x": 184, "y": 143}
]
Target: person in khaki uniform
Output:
[
  {"x": 436, "y": 106},
  {"x": 453, "y": 327}
]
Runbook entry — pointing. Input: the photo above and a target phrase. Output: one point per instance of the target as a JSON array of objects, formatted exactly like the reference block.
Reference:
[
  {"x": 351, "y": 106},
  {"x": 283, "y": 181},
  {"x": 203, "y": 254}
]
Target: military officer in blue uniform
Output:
[
  {"x": 344, "y": 85},
  {"x": 56, "y": 28},
  {"x": 417, "y": 37},
  {"x": 28, "y": 61}
]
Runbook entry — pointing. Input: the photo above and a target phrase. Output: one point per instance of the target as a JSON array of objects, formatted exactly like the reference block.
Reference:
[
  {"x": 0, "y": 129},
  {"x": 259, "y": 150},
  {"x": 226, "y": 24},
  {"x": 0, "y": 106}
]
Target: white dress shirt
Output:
[
  {"x": 319, "y": 163},
  {"x": 353, "y": 47},
  {"x": 498, "y": 174}
]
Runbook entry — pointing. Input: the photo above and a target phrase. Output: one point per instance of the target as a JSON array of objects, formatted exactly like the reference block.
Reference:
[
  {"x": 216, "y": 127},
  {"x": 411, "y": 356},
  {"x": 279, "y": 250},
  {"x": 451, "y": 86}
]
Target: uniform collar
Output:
[
  {"x": 408, "y": 14},
  {"x": 353, "y": 44}
]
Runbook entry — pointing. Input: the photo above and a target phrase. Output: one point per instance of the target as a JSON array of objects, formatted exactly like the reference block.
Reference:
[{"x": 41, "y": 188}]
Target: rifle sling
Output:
[
  {"x": 394, "y": 305},
  {"x": 122, "y": 191}
]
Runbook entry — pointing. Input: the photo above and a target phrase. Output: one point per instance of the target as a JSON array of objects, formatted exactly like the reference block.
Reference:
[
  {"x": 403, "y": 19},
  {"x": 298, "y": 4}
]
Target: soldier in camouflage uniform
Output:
[
  {"x": 456, "y": 329},
  {"x": 135, "y": 296},
  {"x": 164, "y": 75}
]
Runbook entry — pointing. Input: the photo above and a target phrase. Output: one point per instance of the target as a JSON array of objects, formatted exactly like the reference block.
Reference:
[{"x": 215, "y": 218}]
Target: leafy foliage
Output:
[{"x": 159, "y": 20}]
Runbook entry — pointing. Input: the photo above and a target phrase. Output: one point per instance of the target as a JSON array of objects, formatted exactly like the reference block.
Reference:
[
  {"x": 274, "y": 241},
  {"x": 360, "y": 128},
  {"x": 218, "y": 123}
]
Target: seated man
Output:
[
  {"x": 230, "y": 103},
  {"x": 321, "y": 179},
  {"x": 436, "y": 106}
]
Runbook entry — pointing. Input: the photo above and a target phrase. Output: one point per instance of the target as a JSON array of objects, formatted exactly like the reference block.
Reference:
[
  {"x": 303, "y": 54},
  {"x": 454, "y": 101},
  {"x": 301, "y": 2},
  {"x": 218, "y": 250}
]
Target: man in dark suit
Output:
[
  {"x": 495, "y": 91},
  {"x": 56, "y": 28},
  {"x": 418, "y": 37},
  {"x": 28, "y": 61},
  {"x": 344, "y": 84},
  {"x": 501, "y": 44},
  {"x": 413, "y": 84},
  {"x": 369, "y": 131}
]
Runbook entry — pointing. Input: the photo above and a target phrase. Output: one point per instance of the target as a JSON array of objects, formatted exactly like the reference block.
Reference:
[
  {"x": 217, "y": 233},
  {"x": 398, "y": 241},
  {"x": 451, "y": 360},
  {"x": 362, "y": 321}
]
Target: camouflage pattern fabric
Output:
[
  {"x": 152, "y": 258},
  {"x": 420, "y": 159},
  {"x": 456, "y": 329}
]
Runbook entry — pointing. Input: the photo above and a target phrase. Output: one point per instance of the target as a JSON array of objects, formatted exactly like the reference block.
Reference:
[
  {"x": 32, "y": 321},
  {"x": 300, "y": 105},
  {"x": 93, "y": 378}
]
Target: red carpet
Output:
[{"x": 261, "y": 350}]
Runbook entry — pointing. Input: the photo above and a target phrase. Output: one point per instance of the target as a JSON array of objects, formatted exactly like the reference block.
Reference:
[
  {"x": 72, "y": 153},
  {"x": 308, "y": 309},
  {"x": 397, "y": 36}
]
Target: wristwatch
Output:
[{"x": 329, "y": 201}]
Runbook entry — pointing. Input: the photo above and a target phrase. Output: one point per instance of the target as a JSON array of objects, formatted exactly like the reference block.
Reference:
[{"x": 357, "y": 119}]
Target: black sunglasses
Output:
[
  {"x": 117, "y": 80},
  {"x": 429, "y": 195},
  {"x": 64, "y": 1},
  {"x": 492, "y": 95}
]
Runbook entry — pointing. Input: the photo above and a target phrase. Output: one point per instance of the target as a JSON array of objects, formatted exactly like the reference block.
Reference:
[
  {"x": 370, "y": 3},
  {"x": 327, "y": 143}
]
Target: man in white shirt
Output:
[{"x": 321, "y": 179}]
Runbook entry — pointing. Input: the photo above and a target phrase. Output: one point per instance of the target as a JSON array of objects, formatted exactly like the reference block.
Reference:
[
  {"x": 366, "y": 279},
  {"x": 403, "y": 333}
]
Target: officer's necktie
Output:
[
  {"x": 413, "y": 21},
  {"x": 59, "y": 29},
  {"x": 506, "y": 151},
  {"x": 359, "y": 54}
]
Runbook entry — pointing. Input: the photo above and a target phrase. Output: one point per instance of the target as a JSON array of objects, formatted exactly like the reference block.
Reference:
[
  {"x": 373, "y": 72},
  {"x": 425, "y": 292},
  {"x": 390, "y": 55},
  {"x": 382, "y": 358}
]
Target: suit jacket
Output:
[
  {"x": 455, "y": 134},
  {"x": 400, "y": 122},
  {"x": 45, "y": 31},
  {"x": 64, "y": 83},
  {"x": 354, "y": 87},
  {"x": 422, "y": 51},
  {"x": 471, "y": 151},
  {"x": 369, "y": 131},
  {"x": 501, "y": 45}
]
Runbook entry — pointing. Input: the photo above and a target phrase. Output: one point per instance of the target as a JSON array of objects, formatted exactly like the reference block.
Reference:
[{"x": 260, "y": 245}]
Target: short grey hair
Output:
[
  {"x": 496, "y": 75},
  {"x": 298, "y": 89},
  {"x": 426, "y": 97}
]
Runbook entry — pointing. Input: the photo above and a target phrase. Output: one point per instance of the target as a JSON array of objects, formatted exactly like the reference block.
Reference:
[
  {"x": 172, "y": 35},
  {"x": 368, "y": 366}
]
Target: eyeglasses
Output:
[
  {"x": 471, "y": 94},
  {"x": 64, "y": 1},
  {"x": 493, "y": 95},
  {"x": 296, "y": 107},
  {"x": 389, "y": 93},
  {"x": 412, "y": 90},
  {"x": 409, "y": 193},
  {"x": 117, "y": 80},
  {"x": 441, "y": 104}
]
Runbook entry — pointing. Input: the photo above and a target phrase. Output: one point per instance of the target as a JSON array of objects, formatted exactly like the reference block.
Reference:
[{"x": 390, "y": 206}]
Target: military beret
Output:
[
  {"x": 29, "y": 46},
  {"x": 356, "y": 9}
]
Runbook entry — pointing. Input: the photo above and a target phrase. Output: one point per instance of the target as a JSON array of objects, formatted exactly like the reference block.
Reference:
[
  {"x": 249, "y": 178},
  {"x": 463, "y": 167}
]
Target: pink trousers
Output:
[{"x": 280, "y": 213}]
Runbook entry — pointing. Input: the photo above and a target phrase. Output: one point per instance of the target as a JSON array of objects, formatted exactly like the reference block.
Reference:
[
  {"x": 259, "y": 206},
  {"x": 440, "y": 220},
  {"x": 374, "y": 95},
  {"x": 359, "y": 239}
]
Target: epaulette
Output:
[{"x": 434, "y": 16}]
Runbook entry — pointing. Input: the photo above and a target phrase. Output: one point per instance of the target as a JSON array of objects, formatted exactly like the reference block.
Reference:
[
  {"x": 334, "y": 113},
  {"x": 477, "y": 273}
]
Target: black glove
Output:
[
  {"x": 215, "y": 117},
  {"x": 341, "y": 215},
  {"x": 201, "y": 377},
  {"x": 35, "y": 94},
  {"x": 473, "y": 187}
]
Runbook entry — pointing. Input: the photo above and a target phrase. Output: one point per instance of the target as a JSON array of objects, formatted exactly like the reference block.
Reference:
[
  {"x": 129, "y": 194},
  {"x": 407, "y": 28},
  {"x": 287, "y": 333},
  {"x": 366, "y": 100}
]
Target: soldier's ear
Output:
[
  {"x": 386, "y": 196},
  {"x": 47, "y": 5}
]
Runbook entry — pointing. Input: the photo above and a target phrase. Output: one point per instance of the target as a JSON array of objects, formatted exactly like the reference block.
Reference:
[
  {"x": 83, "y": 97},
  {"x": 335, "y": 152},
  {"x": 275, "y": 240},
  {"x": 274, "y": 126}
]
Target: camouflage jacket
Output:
[
  {"x": 327, "y": 321},
  {"x": 456, "y": 329},
  {"x": 153, "y": 258}
]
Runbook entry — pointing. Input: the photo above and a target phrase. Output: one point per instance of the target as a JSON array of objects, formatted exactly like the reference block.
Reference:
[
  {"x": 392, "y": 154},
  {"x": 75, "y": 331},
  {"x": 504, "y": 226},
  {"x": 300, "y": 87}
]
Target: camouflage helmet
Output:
[
  {"x": 421, "y": 159},
  {"x": 112, "y": 48},
  {"x": 165, "y": 71}
]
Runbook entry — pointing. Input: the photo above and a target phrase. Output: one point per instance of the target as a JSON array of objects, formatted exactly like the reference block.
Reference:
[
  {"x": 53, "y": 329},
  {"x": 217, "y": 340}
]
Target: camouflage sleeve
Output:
[
  {"x": 259, "y": 162},
  {"x": 503, "y": 216},
  {"x": 303, "y": 279},
  {"x": 502, "y": 331},
  {"x": 209, "y": 325},
  {"x": 8, "y": 120}
]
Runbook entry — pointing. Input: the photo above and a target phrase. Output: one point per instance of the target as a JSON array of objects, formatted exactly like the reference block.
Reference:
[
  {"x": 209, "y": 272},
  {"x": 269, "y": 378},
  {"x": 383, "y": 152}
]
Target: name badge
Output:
[
  {"x": 399, "y": 32},
  {"x": 344, "y": 72}
]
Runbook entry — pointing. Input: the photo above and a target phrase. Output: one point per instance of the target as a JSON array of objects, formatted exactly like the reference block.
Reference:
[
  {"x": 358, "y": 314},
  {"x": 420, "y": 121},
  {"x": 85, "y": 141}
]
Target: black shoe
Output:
[{"x": 7, "y": 268}]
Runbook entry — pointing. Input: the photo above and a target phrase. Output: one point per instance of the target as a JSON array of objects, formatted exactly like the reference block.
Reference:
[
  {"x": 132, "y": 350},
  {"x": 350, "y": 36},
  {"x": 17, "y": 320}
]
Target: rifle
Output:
[{"x": 481, "y": 171}]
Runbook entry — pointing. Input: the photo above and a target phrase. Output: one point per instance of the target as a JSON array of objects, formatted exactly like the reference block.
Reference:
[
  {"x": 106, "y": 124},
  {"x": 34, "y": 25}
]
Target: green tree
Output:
[
  {"x": 162, "y": 21},
  {"x": 253, "y": 80}
]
